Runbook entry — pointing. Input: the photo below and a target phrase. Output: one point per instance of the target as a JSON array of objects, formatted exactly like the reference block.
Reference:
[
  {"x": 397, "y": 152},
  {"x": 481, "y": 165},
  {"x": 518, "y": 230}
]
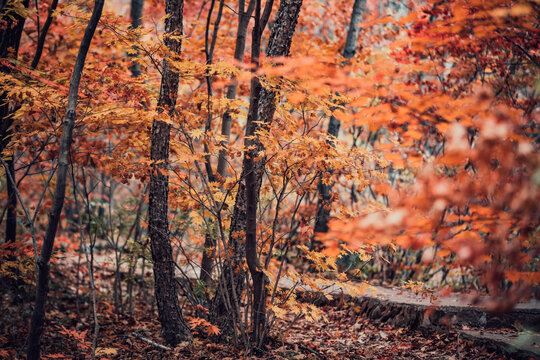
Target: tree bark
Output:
[
  {"x": 264, "y": 107},
  {"x": 354, "y": 28},
  {"x": 174, "y": 328},
  {"x": 10, "y": 38},
  {"x": 325, "y": 190},
  {"x": 11, "y": 218},
  {"x": 38, "y": 316},
  {"x": 207, "y": 262},
  {"x": 43, "y": 34},
  {"x": 232, "y": 89},
  {"x": 135, "y": 13},
  {"x": 260, "y": 115}
]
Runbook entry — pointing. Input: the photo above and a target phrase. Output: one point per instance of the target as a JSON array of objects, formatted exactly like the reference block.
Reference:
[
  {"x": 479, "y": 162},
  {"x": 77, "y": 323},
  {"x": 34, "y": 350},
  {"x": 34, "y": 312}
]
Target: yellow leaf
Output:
[
  {"x": 106, "y": 351},
  {"x": 196, "y": 219},
  {"x": 197, "y": 134}
]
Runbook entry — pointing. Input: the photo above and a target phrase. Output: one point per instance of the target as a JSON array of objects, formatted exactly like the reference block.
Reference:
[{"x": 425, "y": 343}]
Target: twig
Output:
[
  {"x": 307, "y": 348},
  {"x": 525, "y": 52},
  {"x": 153, "y": 343},
  {"x": 30, "y": 221}
]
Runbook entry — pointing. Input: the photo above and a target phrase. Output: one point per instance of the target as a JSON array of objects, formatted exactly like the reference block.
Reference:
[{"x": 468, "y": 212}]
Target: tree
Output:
[
  {"x": 260, "y": 115},
  {"x": 10, "y": 35},
  {"x": 36, "y": 326},
  {"x": 244, "y": 15},
  {"x": 434, "y": 170},
  {"x": 173, "y": 326},
  {"x": 325, "y": 190},
  {"x": 468, "y": 138},
  {"x": 232, "y": 276},
  {"x": 136, "y": 12}
]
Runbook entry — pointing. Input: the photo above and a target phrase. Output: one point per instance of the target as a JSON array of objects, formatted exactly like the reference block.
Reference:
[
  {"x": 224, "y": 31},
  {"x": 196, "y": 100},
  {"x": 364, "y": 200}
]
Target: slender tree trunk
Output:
[
  {"x": 10, "y": 38},
  {"x": 136, "y": 21},
  {"x": 38, "y": 316},
  {"x": 260, "y": 115},
  {"x": 354, "y": 28},
  {"x": 207, "y": 262},
  {"x": 43, "y": 34},
  {"x": 325, "y": 190},
  {"x": 264, "y": 109},
  {"x": 11, "y": 219},
  {"x": 135, "y": 14},
  {"x": 232, "y": 89},
  {"x": 174, "y": 328}
]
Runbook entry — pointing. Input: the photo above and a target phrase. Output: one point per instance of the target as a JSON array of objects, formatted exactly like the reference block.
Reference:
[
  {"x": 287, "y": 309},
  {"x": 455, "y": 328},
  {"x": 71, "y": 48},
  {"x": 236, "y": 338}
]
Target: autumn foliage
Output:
[{"x": 436, "y": 169}]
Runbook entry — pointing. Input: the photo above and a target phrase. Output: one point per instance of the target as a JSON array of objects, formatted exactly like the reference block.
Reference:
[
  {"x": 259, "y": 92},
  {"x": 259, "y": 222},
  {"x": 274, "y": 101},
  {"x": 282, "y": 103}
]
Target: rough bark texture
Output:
[
  {"x": 10, "y": 38},
  {"x": 38, "y": 316},
  {"x": 325, "y": 190},
  {"x": 260, "y": 115},
  {"x": 174, "y": 328}
]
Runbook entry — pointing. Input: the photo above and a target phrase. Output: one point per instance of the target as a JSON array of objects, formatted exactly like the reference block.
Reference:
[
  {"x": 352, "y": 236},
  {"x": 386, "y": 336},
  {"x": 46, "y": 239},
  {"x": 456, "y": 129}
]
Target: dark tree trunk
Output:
[
  {"x": 354, "y": 30},
  {"x": 260, "y": 115},
  {"x": 43, "y": 34},
  {"x": 135, "y": 13},
  {"x": 232, "y": 277},
  {"x": 11, "y": 219},
  {"x": 207, "y": 263},
  {"x": 173, "y": 325},
  {"x": 10, "y": 38},
  {"x": 232, "y": 89},
  {"x": 325, "y": 190},
  {"x": 38, "y": 316}
]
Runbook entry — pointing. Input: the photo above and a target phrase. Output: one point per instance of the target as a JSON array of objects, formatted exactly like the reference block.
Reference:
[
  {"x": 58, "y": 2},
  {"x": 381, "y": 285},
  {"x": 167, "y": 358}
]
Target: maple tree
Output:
[
  {"x": 225, "y": 173},
  {"x": 473, "y": 194},
  {"x": 174, "y": 327}
]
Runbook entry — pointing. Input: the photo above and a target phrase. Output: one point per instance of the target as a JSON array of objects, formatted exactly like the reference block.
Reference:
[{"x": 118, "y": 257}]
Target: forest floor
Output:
[{"x": 346, "y": 335}]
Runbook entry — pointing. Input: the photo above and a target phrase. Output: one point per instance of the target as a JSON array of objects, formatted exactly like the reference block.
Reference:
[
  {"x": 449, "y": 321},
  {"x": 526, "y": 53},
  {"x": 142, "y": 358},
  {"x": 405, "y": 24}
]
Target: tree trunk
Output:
[
  {"x": 43, "y": 34},
  {"x": 135, "y": 13},
  {"x": 11, "y": 219},
  {"x": 174, "y": 328},
  {"x": 260, "y": 115},
  {"x": 325, "y": 190},
  {"x": 10, "y": 38},
  {"x": 232, "y": 89},
  {"x": 38, "y": 316},
  {"x": 354, "y": 30},
  {"x": 207, "y": 263}
]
